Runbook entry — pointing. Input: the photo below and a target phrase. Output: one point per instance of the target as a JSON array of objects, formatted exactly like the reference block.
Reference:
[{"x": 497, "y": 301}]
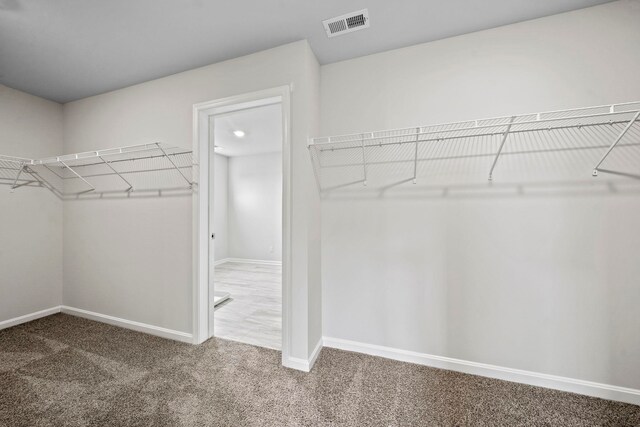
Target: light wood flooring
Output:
[{"x": 253, "y": 313}]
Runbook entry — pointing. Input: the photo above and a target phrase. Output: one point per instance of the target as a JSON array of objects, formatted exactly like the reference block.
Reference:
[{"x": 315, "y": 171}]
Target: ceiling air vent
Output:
[{"x": 347, "y": 23}]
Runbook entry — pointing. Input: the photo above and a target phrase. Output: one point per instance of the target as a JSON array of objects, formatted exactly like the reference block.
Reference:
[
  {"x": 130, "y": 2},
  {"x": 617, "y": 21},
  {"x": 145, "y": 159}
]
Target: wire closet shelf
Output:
[
  {"x": 528, "y": 148},
  {"x": 144, "y": 169}
]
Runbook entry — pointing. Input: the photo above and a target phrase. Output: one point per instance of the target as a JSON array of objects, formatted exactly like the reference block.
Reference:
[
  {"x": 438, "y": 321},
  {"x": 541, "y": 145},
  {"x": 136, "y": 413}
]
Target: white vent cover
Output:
[{"x": 347, "y": 23}]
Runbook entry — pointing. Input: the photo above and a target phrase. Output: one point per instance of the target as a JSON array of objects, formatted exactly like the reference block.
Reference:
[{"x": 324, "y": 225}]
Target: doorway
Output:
[
  {"x": 246, "y": 222},
  {"x": 216, "y": 272}
]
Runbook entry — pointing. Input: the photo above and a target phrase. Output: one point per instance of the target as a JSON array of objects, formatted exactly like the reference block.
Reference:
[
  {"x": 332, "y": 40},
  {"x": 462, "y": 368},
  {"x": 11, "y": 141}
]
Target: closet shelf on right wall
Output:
[{"x": 582, "y": 148}]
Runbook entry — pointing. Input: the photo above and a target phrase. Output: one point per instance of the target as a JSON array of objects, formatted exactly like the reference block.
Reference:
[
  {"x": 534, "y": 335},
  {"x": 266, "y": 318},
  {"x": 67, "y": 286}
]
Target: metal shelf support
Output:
[
  {"x": 620, "y": 136},
  {"x": 173, "y": 164},
  {"x": 504, "y": 139},
  {"x": 117, "y": 173},
  {"x": 15, "y": 181},
  {"x": 78, "y": 175},
  {"x": 364, "y": 163},
  {"x": 415, "y": 157}
]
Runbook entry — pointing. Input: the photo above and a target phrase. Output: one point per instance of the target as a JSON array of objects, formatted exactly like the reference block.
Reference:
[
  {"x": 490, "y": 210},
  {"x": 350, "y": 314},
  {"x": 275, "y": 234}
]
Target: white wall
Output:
[
  {"x": 132, "y": 258},
  {"x": 220, "y": 207},
  {"x": 31, "y": 218},
  {"x": 255, "y": 207},
  {"x": 247, "y": 211},
  {"x": 546, "y": 284}
]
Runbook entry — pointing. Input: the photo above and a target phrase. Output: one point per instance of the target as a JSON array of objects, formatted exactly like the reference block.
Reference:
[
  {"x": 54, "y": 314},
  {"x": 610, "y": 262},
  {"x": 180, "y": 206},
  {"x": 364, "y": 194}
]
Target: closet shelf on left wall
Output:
[{"x": 144, "y": 168}]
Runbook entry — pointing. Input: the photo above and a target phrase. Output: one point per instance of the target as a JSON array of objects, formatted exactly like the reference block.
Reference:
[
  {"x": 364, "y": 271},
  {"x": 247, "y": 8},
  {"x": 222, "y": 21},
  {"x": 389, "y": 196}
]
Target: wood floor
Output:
[{"x": 253, "y": 313}]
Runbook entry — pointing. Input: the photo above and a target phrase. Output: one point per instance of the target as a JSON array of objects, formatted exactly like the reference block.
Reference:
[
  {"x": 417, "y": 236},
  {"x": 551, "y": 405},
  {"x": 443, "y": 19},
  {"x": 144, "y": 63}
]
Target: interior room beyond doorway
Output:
[{"x": 247, "y": 225}]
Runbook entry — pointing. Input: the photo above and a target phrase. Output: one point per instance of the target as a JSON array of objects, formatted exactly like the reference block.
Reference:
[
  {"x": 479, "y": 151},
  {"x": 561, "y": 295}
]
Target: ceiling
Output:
[
  {"x": 262, "y": 127},
  {"x": 65, "y": 50}
]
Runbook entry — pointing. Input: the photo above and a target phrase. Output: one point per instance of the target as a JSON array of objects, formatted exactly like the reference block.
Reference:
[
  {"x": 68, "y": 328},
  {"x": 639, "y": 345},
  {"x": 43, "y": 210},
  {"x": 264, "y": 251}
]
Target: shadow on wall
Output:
[{"x": 592, "y": 187}]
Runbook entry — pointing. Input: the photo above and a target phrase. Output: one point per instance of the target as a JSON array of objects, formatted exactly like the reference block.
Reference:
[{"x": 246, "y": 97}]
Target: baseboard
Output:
[
  {"x": 252, "y": 261},
  {"x": 604, "y": 391},
  {"x": 304, "y": 365},
  {"x": 296, "y": 363},
  {"x": 221, "y": 261},
  {"x": 29, "y": 317},
  {"x": 130, "y": 324},
  {"x": 315, "y": 353}
]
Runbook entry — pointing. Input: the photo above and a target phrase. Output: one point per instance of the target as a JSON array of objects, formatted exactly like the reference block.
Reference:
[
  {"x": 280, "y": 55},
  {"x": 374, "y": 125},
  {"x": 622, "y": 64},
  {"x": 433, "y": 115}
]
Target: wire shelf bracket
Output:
[
  {"x": 504, "y": 139},
  {"x": 364, "y": 163},
  {"x": 415, "y": 158},
  {"x": 174, "y": 165},
  {"x": 613, "y": 145},
  {"x": 15, "y": 181},
  {"x": 77, "y": 174}
]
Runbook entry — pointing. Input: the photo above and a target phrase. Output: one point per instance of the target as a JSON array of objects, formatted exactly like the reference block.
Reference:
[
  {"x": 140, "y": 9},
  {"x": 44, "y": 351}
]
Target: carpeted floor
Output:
[{"x": 63, "y": 370}]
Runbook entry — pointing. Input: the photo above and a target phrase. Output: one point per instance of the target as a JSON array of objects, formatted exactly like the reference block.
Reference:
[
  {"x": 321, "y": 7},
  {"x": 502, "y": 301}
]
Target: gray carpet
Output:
[{"x": 63, "y": 370}]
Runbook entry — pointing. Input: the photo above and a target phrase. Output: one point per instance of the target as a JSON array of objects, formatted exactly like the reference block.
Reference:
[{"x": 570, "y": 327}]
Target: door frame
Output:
[{"x": 202, "y": 171}]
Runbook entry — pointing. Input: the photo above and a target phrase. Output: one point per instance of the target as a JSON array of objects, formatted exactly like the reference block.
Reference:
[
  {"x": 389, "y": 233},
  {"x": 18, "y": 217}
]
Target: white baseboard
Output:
[
  {"x": 604, "y": 391},
  {"x": 296, "y": 363},
  {"x": 29, "y": 317},
  {"x": 250, "y": 261},
  {"x": 315, "y": 353},
  {"x": 130, "y": 324},
  {"x": 304, "y": 365},
  {"x": 221, "y": 261}
]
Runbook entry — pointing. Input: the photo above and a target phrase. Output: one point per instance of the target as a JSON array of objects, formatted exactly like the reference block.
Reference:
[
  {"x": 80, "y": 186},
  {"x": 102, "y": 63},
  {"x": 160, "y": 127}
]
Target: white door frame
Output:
[{"x": 202, "y": 170}]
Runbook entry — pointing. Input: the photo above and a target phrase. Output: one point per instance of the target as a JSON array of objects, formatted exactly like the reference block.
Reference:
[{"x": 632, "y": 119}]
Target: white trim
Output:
[
  {"x": 302, "y": 364},
  {"x": 287, "y": 225},
  {"x": 221, "y": 261},
  {"x": 129, "y": 324},
  {"x": 201, "y": 235},
  {"x": 589, "y": 388},
  {"x": 200, "y": 227},
  {"x": 296, "y": 363},
  {"x": 29, "y": 317},
  {"x": 253, "y": 261},
  {"x": 315, "y": 353}
]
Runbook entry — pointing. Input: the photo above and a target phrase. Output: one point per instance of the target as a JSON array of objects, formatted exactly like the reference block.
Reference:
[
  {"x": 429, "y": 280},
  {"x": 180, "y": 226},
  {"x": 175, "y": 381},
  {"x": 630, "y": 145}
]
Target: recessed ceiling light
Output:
[{"x": 238, "y": 133}]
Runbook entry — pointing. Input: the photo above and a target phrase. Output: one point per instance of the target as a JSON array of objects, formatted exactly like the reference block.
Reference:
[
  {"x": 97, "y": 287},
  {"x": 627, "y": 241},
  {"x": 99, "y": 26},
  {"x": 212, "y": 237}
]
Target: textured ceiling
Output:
[{"x": 70, "y": 49}]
